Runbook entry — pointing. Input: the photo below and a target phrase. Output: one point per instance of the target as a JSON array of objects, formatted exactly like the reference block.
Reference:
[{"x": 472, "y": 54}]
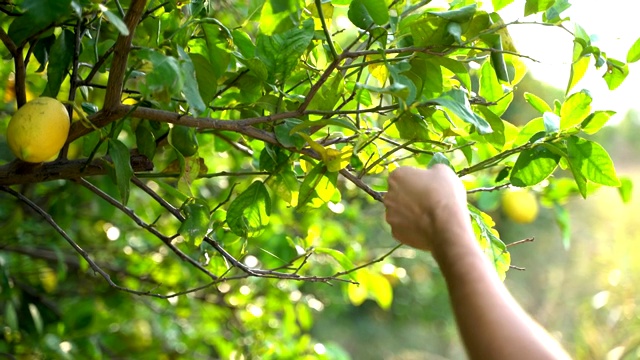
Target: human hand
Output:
[{"x": 424, "y": 206}]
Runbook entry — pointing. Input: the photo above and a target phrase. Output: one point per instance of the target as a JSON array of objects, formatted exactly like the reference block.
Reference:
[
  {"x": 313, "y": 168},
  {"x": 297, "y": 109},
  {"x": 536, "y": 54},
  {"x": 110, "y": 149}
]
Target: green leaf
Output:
[
  {"x": 552, "y": 15},
  {"x": 197, "y": 221},
  {"x": 42, "y": 49},
  {"x": 634, "y": 52},
  {"x": 364, "y": 13},
  {"x": 489, "y": 241},
  {"x": 285, "y": 185},
  {"x": 456, "y": 67},
  {"x": 119, "y": 154},
  {"x": 458, "y": 103},
  {"x": 455, "y": 30},
  {"x": 145, "y": 140},
  {"x": 319, "y": 183},
  {"x": 625, "y": 189},
  {"x": 533, "y": 166},
  {"x": 59, "y": 63},
  {"x": 165, "y": 78},
  {"x": 497, "y": 60},
  {"x": 595, "y": 121},
  {"x": 460, "y": 15},
  {"x": 537, "y": 103},
  {"x": 499, "y": 4},
  {"x": 248, "y": 214},
  {"x": 578, "y": 66},
  {"x": 342, "y": 122},
  {"x": 243, "y": 42},
  {"x": 115, "y": 20},
  {"x": 341, "y": 258},
  {"x": 286, "y": 133},
  {"x": 205, "y": 76},
  {"x": 328, "y": 94},
  {"x": 412, "y": 127},
  {"x": 280, "y": 52},
  {"x": 439, "y": 158},
  {"x": 377, "y": 9},
  {"x": 536, "y": 6},
  {"x": 216, "y": 46},
  {"x": 190, "y": 91},
  {"x": 575, "y": 109},
  {"x": 581, "y": 181},
  {"x": 592, "y": 161},
  {"x": 617, "y": 71},
  {"x": 38, "y": 15},
  {"x": 499, "y": 135}
]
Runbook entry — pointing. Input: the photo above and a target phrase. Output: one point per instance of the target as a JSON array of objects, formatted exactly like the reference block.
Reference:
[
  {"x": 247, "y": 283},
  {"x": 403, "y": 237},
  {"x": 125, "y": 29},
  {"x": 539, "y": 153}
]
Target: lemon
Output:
[
  {"x": 38, "y": 130},
  {"x": 520, "y": 205}
]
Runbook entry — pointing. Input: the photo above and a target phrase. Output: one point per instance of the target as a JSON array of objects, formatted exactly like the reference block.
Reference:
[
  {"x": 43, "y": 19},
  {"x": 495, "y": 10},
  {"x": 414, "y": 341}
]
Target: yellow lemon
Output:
[
  {"x": 38, "y": 130},
  {"x": 520, "y": 205}
]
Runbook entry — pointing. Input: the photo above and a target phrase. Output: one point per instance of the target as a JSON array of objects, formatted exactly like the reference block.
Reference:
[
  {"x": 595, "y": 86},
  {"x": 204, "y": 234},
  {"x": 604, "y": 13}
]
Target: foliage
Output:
[{"x": 257, "y": 136}]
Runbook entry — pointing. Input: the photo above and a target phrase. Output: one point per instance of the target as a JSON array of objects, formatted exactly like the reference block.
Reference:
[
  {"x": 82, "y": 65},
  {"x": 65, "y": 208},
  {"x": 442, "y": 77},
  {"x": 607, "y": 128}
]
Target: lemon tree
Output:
[{"x": 232, "y": 156}]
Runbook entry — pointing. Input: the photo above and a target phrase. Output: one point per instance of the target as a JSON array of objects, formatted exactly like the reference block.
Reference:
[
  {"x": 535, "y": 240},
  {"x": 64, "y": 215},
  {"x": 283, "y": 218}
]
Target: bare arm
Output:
[{"x": 427, "y": 210}]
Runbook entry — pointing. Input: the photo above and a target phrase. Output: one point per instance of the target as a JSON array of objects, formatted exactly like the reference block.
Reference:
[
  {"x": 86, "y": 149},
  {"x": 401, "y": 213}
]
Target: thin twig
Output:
[
  {"x": 73, "y": 244},
  {"x": 165, "y": 239},
  {"x": 377, "y": 260},
  {"x": 521, "y": 241},
  {"x": 489, "y": 189}
]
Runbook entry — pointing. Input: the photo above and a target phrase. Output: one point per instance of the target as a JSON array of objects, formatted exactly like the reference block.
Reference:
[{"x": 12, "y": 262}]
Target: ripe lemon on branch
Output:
[
  {"x": 38, "y": 130},
  {"x": 520, "y": 205}
]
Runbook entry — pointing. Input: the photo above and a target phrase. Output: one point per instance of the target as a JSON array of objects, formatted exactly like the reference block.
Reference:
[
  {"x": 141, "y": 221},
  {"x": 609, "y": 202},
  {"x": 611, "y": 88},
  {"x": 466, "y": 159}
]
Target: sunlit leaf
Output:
[
  {"x": 248, "y": 214},
  {"x": 617, "y": 71},
  {"x": 490, "y": 242},
  {"x": 592, "y": 160},
  {"x": 533, "y": 166},
  {"x": 537, "y": 103},
  {"x": 115, "y": 20},
  {"x": 594, "y": 122},
  {"x": 197, "y": 221},
  {"x": 625, "y": 189},
  {"x": 633, "y": 54},
  {"x": 575, "y": 109},
  {"x": 280, "y": 52},
  {"x": 458, "y": 103},
  {"x": 499, "y": 4},
  {"x": 462, "y": 14}
]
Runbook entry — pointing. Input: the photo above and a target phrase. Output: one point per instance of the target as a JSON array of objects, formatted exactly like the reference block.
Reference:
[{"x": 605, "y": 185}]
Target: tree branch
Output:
[
  {"x": 121, "y": 54},
  {"x": 73, "y": 244},
  {"x": 19, "y": 172},
  {"x": 165, "y": 239}
]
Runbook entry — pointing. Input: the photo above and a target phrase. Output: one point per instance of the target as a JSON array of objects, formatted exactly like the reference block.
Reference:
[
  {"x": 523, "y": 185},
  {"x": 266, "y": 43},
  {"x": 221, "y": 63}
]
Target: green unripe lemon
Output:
[
  {"x": 184, "y": 139},
  {"x": 38, "y": 130},
  {"x": 520, "y": 205}
]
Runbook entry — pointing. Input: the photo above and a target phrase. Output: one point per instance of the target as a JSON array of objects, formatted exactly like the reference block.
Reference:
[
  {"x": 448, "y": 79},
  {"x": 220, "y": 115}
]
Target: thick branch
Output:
[
  {"x": 121, "y": 54},
  {"x": 19, "y": 172}
]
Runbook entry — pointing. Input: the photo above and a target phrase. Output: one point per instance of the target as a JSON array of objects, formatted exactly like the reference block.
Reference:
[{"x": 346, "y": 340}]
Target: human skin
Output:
[{"x": 427, "y": 209}]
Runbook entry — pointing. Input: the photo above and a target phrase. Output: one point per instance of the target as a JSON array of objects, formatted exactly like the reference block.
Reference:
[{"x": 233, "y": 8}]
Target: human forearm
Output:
[{"x": 492, "y": 324}]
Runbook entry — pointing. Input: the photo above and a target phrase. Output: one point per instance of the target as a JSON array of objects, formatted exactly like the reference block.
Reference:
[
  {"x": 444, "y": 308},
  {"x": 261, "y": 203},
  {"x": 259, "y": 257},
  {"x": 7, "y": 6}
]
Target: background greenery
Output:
[{"x": 245, "y": 242}]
